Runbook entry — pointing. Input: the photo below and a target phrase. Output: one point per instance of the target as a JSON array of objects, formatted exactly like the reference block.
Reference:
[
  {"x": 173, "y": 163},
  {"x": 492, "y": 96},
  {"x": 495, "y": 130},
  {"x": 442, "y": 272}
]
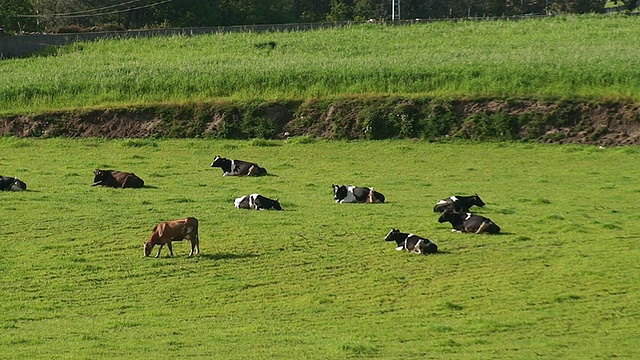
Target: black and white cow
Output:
[
  {"x": 237, "y": 167},
  {"x": 411, "y": 242},
  {"x": 469, "y": 223},
  {"x": 256, "y": 202},
  {"x": 354, "y": 194},
  {"x": 8, "y": 183},
  {"x": 459, "y": 204}
]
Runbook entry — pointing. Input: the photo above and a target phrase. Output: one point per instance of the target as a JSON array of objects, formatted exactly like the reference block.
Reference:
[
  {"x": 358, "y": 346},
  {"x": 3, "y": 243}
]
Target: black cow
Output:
[
  {"x": 459, "y": 204},
  {"x": 469, "y": 223},
  {"x": 354, "y": 194},
  {"x": 411, "y": 242},
  {"x": 11, "y": 184},
  {"x": 257, "y": 202},
  {"x": 117, "y": 179},
  {"x": 237, "y": 167}
]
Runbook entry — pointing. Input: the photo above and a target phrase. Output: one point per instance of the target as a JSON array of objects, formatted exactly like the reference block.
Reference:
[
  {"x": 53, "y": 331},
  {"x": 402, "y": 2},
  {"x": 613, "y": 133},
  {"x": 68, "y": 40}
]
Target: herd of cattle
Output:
[{"x": 454, "y": 209}]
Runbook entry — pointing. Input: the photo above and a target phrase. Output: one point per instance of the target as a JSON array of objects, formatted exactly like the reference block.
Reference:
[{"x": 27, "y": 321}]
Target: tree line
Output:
[{"x": 83, "y": 15}]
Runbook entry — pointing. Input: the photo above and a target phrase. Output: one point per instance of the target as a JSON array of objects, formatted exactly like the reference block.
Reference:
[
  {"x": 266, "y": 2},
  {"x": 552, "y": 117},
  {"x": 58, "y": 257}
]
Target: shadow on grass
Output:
[
  {"x": 227, "y": 256},
  {"x": 442, "y": 252}
]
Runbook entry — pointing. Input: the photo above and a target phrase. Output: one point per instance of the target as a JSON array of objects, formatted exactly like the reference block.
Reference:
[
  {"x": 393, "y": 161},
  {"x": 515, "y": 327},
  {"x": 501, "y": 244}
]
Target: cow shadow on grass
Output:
[
  {"x": 149, "y": 187},
  {"x": 227, "y": 256},
  {"x": 442, "y": 252}
]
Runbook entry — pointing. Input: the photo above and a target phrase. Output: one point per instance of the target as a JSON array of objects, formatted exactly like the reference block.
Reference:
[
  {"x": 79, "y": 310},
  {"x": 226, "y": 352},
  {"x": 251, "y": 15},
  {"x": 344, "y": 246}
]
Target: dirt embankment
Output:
[{"x": 603, "y": 123}]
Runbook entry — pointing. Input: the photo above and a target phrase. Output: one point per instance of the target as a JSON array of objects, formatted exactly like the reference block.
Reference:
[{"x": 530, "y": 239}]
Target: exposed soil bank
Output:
[{"x": 562, "y": 121}]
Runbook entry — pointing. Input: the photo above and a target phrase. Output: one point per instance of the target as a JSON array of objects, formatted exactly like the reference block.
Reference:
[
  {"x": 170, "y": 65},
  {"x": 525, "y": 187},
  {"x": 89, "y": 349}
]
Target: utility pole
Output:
[{"x": 395, "y": 10}]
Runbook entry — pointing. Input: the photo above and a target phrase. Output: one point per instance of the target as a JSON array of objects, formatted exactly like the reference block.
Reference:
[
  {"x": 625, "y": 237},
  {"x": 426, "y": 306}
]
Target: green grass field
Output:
[
  {"x": 592, "y": 57},
  {"x": 317, "y": 281}
]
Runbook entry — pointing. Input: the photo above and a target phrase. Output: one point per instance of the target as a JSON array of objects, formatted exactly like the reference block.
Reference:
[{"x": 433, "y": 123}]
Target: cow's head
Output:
[
  {"x": 339, "y": 192},
  {"x": 148, "y": 246},
  {"x": 99, "y": 175},
  {"x": 391, "y": 236},
  {"x": 218, "y": 161},
  {"x": 477, "y": 201},
  {"x": 447, "y": 215},
  {"x": 276, "y": 204}
]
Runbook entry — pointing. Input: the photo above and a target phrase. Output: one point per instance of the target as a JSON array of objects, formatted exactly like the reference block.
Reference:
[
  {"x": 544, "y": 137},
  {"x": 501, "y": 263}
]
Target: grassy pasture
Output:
[
  {"x": 593, "y": 57},
  {"x": 317, "y": 281}
]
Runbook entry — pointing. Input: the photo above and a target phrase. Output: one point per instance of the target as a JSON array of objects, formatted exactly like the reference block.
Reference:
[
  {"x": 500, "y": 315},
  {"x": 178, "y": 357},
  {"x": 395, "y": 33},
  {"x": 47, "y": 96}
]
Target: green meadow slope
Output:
[
  {"x": 515, "y": 72},
  {"x": 317, "y": 281}
]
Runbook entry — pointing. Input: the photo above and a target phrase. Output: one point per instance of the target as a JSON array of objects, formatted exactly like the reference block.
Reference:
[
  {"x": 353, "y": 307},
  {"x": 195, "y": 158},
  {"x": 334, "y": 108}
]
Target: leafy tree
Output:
[
  {"x": 630, "y": 5},
  {"x": 340, "y": 11},
  {"x": 9, "y": 19}
]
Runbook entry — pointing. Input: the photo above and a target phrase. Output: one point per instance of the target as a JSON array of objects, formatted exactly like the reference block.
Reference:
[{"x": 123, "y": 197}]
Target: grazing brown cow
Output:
[
  {"x": 174, "y": 230},
  {"x": 117, "y": 179}
]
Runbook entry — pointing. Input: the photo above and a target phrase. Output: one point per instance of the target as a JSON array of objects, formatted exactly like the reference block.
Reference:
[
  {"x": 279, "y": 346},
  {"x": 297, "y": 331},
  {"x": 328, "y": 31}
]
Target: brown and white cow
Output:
[
  {"x": 116, "y": 179},
  {"x": 174, "y": 230}
]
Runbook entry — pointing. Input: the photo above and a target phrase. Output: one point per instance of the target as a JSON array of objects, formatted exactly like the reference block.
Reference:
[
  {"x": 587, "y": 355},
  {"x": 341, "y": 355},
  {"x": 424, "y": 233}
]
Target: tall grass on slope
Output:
[
  {"x": 317, "y": 281},
  {"x": 573, "y": 56}
]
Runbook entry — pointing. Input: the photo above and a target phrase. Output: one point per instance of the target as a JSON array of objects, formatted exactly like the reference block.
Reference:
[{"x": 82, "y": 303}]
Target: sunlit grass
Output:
[
  {"x": 317, "y": 281},
  {"x": 574, "y": 56}
]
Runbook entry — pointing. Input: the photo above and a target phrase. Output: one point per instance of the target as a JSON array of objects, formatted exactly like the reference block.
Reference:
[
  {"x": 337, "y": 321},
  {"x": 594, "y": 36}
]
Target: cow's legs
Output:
[
  {"x": 195, "y": 245},
  {"x": 125, "y": 182},
  {"x": 170, "y": 247},
  {"x": 416, "y": 248},
  {"x": 482, "y": 227},
  {"x": 159, "y": 249}
]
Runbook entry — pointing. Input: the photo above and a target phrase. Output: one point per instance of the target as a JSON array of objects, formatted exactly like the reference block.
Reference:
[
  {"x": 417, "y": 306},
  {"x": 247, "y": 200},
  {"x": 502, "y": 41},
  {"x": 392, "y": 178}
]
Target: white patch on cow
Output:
[
  {"x": 231, "y": 172},
  {"x": 442, "y": 202},
  {"x": 189, "y": 229},
  {"x": 468, "y": 216},
  {"x": 350, "y": 197},
  {"x": 400, "y": 248},
  {"x": 239, "y": 200},
  {"x": 453, "y": 198},
  {"x": 252, "y": 201},
  {"x": 416, "y": 248}
]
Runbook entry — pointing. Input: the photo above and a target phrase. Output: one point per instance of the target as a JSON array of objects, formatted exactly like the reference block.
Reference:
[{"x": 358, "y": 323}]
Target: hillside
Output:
[
  {"x": 608, "y": 124},
  {"x": 559, "y": 79}
]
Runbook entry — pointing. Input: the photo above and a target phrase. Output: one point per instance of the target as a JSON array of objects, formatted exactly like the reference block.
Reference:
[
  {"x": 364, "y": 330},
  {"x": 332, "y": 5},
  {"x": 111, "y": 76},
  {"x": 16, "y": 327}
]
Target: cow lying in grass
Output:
[
  {"x": 174, "y": 230},
  {"x": 459, "y": 204},
  {"x": 412, "y": 243},
  {"x": 354, "y": 194},
  {"x": 237, "y": 167},
  {"x": 116, "y": 179},
  {"x": 256, "y": 202},
  {"x": 469, "y": 223},
  {"x": 11, "y": 184}
]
